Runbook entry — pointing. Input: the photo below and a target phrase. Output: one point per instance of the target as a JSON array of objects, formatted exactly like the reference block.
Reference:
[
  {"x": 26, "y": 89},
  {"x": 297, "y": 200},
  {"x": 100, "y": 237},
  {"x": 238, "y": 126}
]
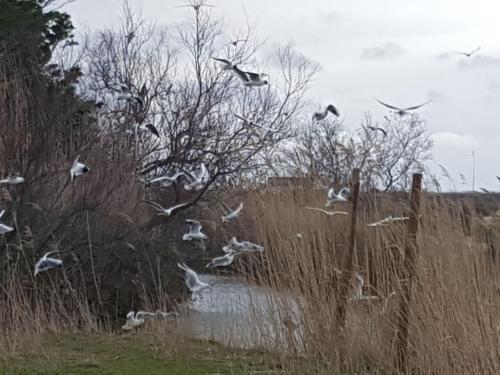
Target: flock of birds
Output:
[{"x": 196, "y": 180}]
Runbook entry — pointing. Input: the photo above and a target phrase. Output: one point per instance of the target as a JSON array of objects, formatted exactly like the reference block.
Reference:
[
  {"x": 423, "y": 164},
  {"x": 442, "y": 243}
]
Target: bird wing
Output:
[
  {"x": 417, "y": 106},
  {"x": 75, "y": 163},
  {"x": 241, "y": 74},
  {"x": 143, "y": 314},
  {"x": 224, "y": 61},
  {"x": 254, "y": 76},
  {"x": 194, "y": 225},
  {"x": 1, "y": 213},
  {"x": 331, "y": 194},
  {"x": 485, "y": 190},
  {"x": 47, "y": 254},
  {"x": 246, "y": 121},
  {"x": 477, "y": 49},
  {"x": 158, "y": 206},
  {"x": 388, "y": 105},
  {"x": 152, "y": 129},
  {"x": 173, "y": 208},
  {"x": 333, "y": 110},
  {"x": 316, "y": 209}
]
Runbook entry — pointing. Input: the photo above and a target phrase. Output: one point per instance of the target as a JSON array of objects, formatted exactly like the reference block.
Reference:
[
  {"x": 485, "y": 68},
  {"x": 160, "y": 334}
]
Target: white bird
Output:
[
  {"x": 250, "y": 79},
  {"x": 170, "y": 179},
  {"x": 387, "y": 220},
  {"x": 358, "y": 290},
  {"x": 46, "y": 263},
  {"x": 3, "y": 227},
  {"x": 197, "y": 180},
  {"x": 318, "y": 116},
  {"x": 77, "y": 169},
  {"x": 251, "y": 123},
  {"x": 135, "y": 320},
  {"x": 165, "y": 211},
  {"x": 328, "y": 213},
  {"x": 12, "y": 180},
  {"x": 469, "y": 54},
  {"x": 241, "y": 246},
  {"x": 232, "y": 214},
  {"x": 194, "y": 231},
  {"x": 193, "y": 282},
  {"x": 222, "y": 261},
  {"x": 402, "y": 111},
  {"x": 333, "y": 197}
]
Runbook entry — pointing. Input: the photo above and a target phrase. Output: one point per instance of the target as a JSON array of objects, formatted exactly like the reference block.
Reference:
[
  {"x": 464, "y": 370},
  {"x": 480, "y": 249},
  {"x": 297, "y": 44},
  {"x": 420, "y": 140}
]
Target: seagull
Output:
[
  {"x": 251, "y": 123},
  {"x": 328, "y": 213},
  {"x": 333, "y": 197},
  {"x": 241, "y": 246},
  {"x": 250, "y": 79},
  {"x": 318, "y": 116},
  {"x": 165, "y": 211},
  {"x": 469, "y": 54},
  {"x": 170, "y": 179},
  {"x": 4, "y": 228},
  {"x": 232, "y": 214},
  {"x": 193, "y": 282},
  {"x": 77, "y": 169},
  {"x": 236, "y": 41},
  {"x": 46, "y": 263},
  {"x": 198, "y": 180},
  {"x": 147, "y": 128},
  {"x": 194, "y": 231},
  {"x": 12, "y": 180},
  {"x": 387, "y": 220},
  {"x": 358, "y": 291},
  {"x": 222, "y": 261},
  {"x": 402, "y": 111},
  {"x": 374, "y": 128},
  {"x": 135, "y": 320},
  {"x": 228, "y": 65},
  {"x": 196, "y": 7}
]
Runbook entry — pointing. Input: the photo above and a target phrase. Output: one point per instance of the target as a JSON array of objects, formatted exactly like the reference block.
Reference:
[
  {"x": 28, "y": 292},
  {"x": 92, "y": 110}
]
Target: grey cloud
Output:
[{"x": 384, "y": 51}]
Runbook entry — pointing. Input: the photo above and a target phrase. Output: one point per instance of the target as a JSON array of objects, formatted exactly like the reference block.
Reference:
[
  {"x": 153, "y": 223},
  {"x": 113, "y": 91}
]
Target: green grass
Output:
[{"x": 141, "y": 353}]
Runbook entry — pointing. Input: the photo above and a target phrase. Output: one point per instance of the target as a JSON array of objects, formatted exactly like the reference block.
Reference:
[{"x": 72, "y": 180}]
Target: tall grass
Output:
[{"x": 455, "y": 305}]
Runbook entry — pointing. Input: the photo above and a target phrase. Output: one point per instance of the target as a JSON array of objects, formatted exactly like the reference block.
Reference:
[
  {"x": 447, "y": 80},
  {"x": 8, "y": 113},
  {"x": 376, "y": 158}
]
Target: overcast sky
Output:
[{"x": 399, "y": 51}]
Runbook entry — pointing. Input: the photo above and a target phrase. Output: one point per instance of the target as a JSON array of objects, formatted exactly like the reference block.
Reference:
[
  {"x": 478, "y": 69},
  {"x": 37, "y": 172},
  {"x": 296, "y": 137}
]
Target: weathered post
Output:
[
  {"x": 349, "y": 262},
  {"x": 408, "y": 273}
]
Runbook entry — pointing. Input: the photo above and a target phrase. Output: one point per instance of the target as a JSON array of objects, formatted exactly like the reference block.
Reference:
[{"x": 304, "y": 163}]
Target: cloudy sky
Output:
[{"x": 399, "y": 51}]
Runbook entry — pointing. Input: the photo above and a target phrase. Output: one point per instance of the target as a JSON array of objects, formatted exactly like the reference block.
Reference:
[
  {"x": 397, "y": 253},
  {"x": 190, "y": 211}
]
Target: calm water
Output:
[{"x": 240, "y": 315}]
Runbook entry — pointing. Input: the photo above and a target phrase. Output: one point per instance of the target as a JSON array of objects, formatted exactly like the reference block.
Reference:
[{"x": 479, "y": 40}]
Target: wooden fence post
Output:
[
  {"x": 349, "y": 263},
  {"x": 408, "y": 273}
]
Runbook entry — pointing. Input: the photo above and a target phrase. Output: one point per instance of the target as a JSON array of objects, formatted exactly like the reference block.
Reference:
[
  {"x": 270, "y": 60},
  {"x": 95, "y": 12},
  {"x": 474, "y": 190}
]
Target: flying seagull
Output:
[
  {"x": 170, "y": 179},
  {"x": 403, "y": 111},
  {"x": 77, "y": 169},
  {"x": 193, "y": 282},
  {"x": 199, "y": 179},
  {"x": 4, "y": 228},
  {"x": 194, "y": 231},
  {"x": 374, "y": 128},
  {"x": 12, "y": 180},
  {"x": 318, "y": 116},
  {"x": 135, "y": 320},
  {"x": 241, "y": 247},
  {"x": 165, "y": 211},
  {"x": 236, "y": 41},
  {"x": 228, "y": 65},
  {"x": 250, "y": 79},
  {"x": 388, "y": 220},
  {"x": 196, "y": 7},
  {"x": 328, "y": 213},
  {"x": 222, "y": 261},
  {"x": 333, "y": 197},
  {"x": 232, "y": 214},
  {"x": 251, "y": 123},
  {"x": 46, "y": 263},
  {"x": 469, "y": 54}
]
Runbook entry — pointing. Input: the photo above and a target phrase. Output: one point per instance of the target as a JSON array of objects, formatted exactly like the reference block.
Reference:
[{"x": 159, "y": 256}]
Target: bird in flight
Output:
[
  {"x": 194, "y": 231},
  {"x": 170, "y": 179},
  {"x": 197, "y": 180},
  {"x": 222, "y": 261},
  {"x": 46, "y": 263},
  {"x": 328, "y": 213},
  {"x": 136, "y": 319},
  {"x": 241, "y": 246},
  {"x": 77, "y": 169},
  {"x": 165, "y": 211},
  {"x": 196, "y": 6},
  {"x": 469, "y": 54},
  {"x": 236, "y": 41},
  {"x": 387, "y": 220},
  {"x": 250, "y": 79},
  {"x": 374, "y": 128},
  {"x": 251, "y": 123},
  {"x": 403, "y": 111},
  {"x": 147, "y": 128},
  {"x": 318, "y": 116},
  {"x": 193, "y": 282},
  {"x": 227, "y": 65},
  {"x": 232, "y": 214},
  {"x": 4, "y": 228},
  {"x": 333, "y": 197},
  {"x": 12, "y": 180}
]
